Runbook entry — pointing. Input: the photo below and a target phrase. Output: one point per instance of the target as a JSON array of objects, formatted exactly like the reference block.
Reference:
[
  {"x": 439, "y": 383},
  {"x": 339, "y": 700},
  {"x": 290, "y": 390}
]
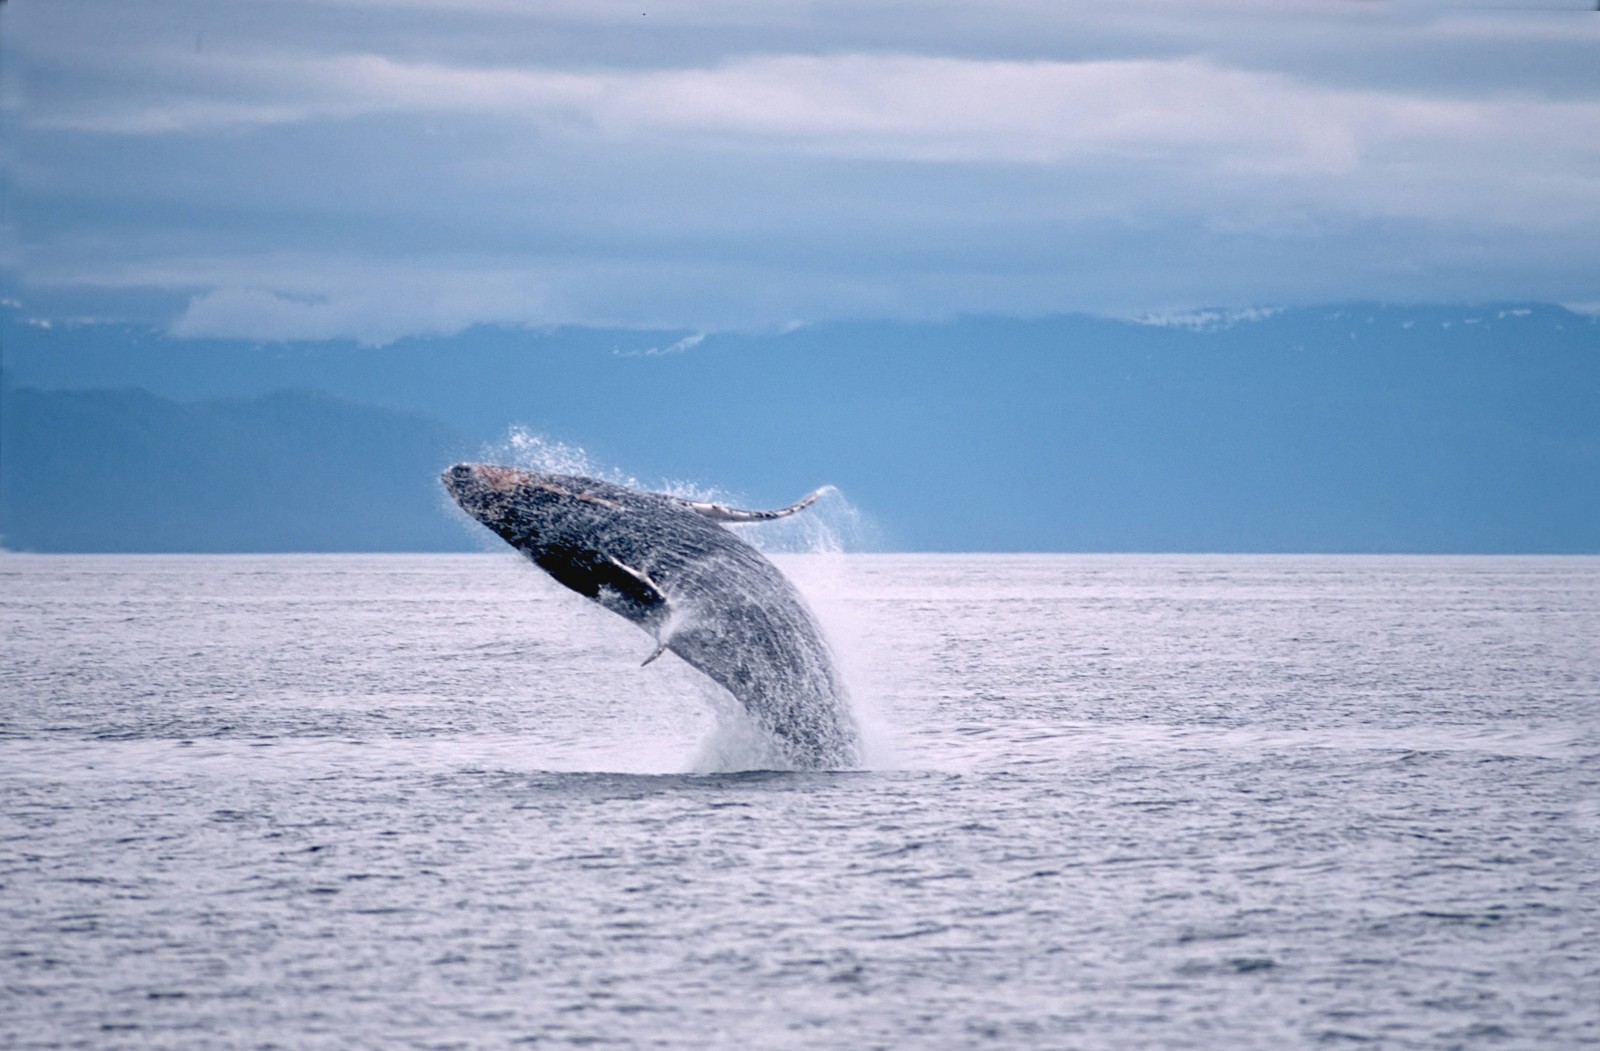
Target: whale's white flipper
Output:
[{"x": 724, "y": 513}]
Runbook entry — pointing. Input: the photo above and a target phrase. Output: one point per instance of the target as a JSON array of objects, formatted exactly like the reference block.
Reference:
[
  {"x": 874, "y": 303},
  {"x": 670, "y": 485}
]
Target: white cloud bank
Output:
[
  {"x": 1170, "y": 160},
  {"x": 902, "y": 107}
]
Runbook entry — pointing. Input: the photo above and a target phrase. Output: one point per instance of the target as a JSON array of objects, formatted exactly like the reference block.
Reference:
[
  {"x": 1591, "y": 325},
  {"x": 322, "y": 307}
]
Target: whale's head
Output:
[
  {"x": 529, "y": 510},
  {"x": 565, "y": 523}
]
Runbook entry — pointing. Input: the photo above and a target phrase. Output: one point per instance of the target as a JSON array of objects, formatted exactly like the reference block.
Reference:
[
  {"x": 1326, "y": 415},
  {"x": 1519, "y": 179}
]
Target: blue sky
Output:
[{"x": 379, "y": 168}]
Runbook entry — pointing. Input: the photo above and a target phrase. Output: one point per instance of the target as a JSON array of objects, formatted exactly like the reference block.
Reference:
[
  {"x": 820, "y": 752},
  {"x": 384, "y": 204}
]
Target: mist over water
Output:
[{"x": 1133, "y": 801}]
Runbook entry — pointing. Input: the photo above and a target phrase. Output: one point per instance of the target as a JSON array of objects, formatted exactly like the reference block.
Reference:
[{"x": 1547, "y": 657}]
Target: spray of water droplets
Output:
[{"x": 535, "y": 452}]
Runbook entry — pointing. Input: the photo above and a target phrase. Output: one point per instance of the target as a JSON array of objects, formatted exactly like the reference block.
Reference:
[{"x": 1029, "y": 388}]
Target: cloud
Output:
[
  {"x": 890, "y": 106},
  {"x": 376, "y": 302},
  {"x": 688, "y": 342},
  {"x": 1402, "y": 154},
  {"x": 356, "y": 299},
  {"x": 367, "y": 168}
]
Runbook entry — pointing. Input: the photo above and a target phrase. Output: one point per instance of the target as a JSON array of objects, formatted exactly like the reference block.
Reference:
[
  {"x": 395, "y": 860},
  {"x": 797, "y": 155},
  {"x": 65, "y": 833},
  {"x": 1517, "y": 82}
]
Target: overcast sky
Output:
[{"x": 376, "y": 168}]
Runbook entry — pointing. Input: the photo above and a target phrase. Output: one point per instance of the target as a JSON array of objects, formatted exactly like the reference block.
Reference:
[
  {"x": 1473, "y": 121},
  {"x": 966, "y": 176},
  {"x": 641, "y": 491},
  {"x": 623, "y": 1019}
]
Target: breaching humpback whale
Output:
[{"x": 667, "y": 565}]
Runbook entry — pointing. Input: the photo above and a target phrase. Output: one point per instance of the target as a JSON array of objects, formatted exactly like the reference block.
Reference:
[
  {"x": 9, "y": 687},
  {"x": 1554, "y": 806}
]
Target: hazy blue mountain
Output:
[
  {"x": 125, "y": 470},
  {"x": 1354, "y": 428}
]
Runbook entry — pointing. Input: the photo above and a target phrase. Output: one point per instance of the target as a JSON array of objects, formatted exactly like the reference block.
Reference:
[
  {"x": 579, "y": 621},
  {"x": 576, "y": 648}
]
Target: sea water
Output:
[{"x": 1111, "y": 802}]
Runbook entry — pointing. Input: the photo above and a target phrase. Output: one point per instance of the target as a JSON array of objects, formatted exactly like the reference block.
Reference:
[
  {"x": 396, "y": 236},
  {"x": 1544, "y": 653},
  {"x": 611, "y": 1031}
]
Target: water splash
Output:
[
  {"x": 736, "y": 741},
  {"x": 827, "y": 578},
  {"x": 831, "y": 526},
  {"x": 535, "y": 452},
  {"x": 812, "y": 550}
]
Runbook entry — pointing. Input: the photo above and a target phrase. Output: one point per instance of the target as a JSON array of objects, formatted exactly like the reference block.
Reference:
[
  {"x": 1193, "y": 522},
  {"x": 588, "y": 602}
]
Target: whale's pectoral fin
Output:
[
  {"x": 659, "y": 650},
  {"x": 630, "y": 583},
  {"x": 724, "y": 513}
]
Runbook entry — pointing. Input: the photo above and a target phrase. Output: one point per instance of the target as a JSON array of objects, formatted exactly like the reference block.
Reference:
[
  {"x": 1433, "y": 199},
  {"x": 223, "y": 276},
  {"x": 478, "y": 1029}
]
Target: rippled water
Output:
[{"x": 1115, "y": 802}]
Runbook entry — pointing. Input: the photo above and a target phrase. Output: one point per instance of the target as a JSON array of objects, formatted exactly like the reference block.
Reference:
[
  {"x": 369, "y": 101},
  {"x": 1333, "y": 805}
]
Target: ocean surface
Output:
[{"x": 1111, "y": 802}]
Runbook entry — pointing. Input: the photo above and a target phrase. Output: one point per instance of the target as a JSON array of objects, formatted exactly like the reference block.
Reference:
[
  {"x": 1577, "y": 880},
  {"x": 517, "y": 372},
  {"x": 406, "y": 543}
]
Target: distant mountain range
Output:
[
  {"x": 1347, "y": 428},
  {"x": 125, "y": 470}
]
